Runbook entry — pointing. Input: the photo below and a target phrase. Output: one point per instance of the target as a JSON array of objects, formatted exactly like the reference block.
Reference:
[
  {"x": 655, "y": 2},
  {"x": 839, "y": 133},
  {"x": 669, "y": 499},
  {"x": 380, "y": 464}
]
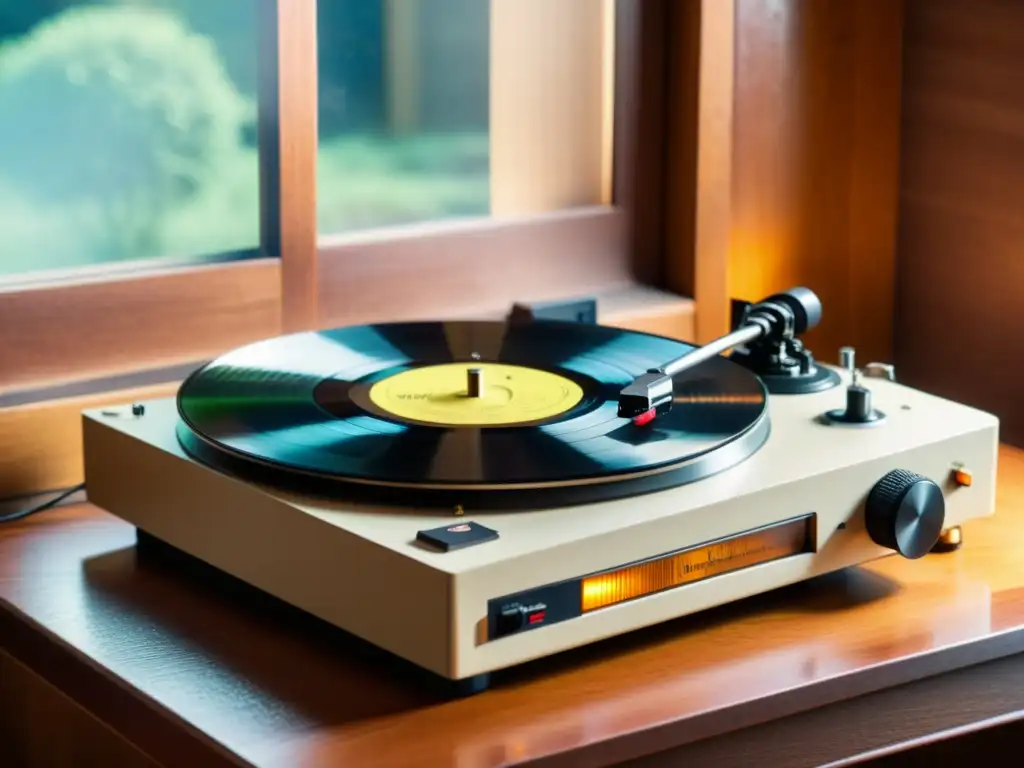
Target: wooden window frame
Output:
[{"x": 146, "y": 316}]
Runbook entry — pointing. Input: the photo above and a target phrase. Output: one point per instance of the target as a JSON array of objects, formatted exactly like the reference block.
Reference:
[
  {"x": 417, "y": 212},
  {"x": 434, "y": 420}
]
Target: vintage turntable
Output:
[{"x": 472, "y": 495}]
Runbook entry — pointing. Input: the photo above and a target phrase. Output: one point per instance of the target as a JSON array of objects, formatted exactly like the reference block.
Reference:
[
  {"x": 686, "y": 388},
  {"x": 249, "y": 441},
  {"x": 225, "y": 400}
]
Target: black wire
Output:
[{"x": 23, "y": 513}]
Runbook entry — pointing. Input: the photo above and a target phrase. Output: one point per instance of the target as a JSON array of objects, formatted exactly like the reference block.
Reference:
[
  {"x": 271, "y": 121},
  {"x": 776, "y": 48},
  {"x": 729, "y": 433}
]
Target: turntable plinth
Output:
[
  {"x": 361, "y": 568},
  {"x": 132, "y": 658}
]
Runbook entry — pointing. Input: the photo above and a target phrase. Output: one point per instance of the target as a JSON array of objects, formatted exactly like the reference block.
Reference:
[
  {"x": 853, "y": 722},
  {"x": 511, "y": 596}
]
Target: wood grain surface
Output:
[
  {"x": 287, "y": 127},
  {"x": 192, "y": 672},
  {"x": 961, "y": 271},
  {"x": 42, "y": 442},
  {"x": 112, "y": 325},
  {"x": 28, "y": 702},
  {"x": 783, "y": 150},
  {"x": 945, "y": 720},
  {"x": 816, "y": 162},
  {"x": 442, "y": 270}
]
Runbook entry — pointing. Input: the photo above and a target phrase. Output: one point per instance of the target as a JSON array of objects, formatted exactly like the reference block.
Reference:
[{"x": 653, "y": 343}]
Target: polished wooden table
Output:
[{"x": 142, "y": 663}]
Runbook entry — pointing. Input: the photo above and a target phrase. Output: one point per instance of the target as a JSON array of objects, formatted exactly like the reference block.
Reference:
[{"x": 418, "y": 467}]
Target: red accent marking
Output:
[
  {"x": 538, "y": 617},
  {"x": 645, "y": 418}
]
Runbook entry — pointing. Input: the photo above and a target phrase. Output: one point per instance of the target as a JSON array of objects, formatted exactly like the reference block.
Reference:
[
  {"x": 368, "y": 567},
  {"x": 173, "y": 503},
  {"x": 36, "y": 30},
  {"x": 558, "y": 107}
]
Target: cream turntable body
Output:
[{"x": 434, "y": 492}]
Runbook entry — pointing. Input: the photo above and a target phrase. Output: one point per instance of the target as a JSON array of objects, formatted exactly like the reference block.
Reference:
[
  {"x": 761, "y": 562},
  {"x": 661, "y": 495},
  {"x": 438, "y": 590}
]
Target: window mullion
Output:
[{"x": 288, "y": 152}]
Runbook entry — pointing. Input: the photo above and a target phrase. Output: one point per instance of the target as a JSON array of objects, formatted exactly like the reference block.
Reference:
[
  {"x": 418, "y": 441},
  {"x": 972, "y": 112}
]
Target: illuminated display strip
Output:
[
  {"x": 689, "y": 565},
  {"x": 538, "y": 607}
]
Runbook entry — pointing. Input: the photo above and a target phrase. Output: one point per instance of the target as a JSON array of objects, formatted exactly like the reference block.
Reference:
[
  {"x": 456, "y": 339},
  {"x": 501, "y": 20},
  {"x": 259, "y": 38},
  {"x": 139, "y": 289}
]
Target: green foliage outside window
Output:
[{"x": 125, "y": 137}]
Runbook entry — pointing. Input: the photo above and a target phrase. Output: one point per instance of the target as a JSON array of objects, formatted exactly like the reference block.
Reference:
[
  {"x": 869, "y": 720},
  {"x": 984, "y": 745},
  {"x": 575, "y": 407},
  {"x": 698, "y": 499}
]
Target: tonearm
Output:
[{"x": 768, "y": 329}]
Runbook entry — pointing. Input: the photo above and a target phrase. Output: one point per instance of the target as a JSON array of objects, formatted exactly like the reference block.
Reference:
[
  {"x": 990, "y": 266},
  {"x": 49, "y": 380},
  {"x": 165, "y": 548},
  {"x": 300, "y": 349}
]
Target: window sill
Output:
[
  {"x": 639, "y": 308},
  {"x": 41, "y": 430}
]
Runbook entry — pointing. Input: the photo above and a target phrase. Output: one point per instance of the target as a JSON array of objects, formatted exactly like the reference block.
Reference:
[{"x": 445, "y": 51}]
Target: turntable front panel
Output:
[{"x": 361, "y": 568}]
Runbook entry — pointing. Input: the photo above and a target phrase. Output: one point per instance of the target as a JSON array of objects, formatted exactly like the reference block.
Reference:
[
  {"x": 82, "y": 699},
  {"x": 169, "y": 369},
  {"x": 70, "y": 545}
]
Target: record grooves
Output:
[{"x": 384, "y": 413}]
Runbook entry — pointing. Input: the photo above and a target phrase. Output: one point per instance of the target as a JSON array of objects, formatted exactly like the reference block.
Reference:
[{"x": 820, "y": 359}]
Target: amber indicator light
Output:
[
  {"x": 963, "y": 477},
  {"x": 717, "y": 399},
  {"x": 743, "y": 550}
]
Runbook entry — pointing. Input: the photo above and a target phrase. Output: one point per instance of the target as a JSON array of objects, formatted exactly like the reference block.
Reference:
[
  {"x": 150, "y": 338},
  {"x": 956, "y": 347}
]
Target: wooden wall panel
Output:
[
  {"x": 794, "y": 161},
  {"x": 287, "y": 125},
  {"x": 698, "y": 153},
  {"x": 960, "y": 319},
  {"x": 815, "y": 163},
  {"x": 40, "y": 725},
  {"x": 42, "y": 442}
]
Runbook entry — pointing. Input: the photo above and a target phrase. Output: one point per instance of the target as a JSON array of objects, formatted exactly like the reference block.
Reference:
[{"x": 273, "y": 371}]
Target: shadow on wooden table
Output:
[{"x": 321, "y": 674}]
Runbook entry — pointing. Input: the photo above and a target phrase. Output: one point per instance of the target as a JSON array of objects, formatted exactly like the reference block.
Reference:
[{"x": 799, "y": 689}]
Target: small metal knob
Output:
[
  {"x": 880, "y": 371},
  {"x": 858, "y": 405},
  {"x": 848, "y": 358}
]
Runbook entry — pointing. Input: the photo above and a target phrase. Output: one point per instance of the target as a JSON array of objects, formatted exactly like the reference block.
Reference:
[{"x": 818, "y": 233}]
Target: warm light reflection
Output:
[
  {"x": 607, "y": 101},
  {"x": 548, "y": 104},
  {"x": 673, "y": 570},
  {"x": 317, "y": 354},
  {"x": 756, "y": 399}
]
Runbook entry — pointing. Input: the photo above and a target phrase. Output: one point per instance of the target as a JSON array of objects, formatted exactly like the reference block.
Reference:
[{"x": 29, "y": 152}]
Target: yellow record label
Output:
[{"x": 475, "y": 394}]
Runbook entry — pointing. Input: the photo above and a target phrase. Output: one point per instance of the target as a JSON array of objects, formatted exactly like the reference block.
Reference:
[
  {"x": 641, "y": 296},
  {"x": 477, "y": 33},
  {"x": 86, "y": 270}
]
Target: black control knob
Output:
[
  {"x": 511, "y": 619},
  {"x": 859, "y": 412},
  {"x": 905, "y": 512}
]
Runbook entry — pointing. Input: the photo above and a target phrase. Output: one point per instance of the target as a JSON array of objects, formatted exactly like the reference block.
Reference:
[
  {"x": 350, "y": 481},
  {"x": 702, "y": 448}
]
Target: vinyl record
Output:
[{"x": 389, "y": 407}]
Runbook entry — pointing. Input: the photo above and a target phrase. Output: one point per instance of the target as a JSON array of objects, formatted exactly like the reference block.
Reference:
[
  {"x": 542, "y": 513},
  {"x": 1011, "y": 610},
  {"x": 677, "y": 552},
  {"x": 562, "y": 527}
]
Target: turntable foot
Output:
[
  {"x": 469, "y": 686},
  {"x": 950, "y": 540}
]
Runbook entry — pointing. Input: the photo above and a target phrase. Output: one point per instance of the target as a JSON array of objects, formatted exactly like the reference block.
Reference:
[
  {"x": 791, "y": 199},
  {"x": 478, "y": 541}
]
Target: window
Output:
[
  {"x": 456, "y": 109},
  {"x": 461, "y": 166},
  {"x": 129, "y": 133},
  {"x": 324, "y": 163},
  {"x": 404, "y": 100},
  {"x": 492, "y": 133}
]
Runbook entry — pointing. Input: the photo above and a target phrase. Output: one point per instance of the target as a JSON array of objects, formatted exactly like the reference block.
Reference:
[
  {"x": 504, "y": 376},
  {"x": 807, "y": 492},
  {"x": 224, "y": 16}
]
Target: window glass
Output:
[
  {"x": 403, "y": 112},
  {"x": 128, "y": 131}
]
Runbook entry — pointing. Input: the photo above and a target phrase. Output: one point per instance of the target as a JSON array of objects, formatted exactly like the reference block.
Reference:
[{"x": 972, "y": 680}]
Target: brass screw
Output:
[
  {"x": 950, "y": 540},
  {"x": 459, "y": 510}
]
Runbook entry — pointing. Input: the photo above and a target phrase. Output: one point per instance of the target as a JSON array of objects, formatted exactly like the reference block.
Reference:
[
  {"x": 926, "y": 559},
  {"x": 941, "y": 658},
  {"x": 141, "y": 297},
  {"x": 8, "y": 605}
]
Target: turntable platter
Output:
[{"x": 487, "y": 408}]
